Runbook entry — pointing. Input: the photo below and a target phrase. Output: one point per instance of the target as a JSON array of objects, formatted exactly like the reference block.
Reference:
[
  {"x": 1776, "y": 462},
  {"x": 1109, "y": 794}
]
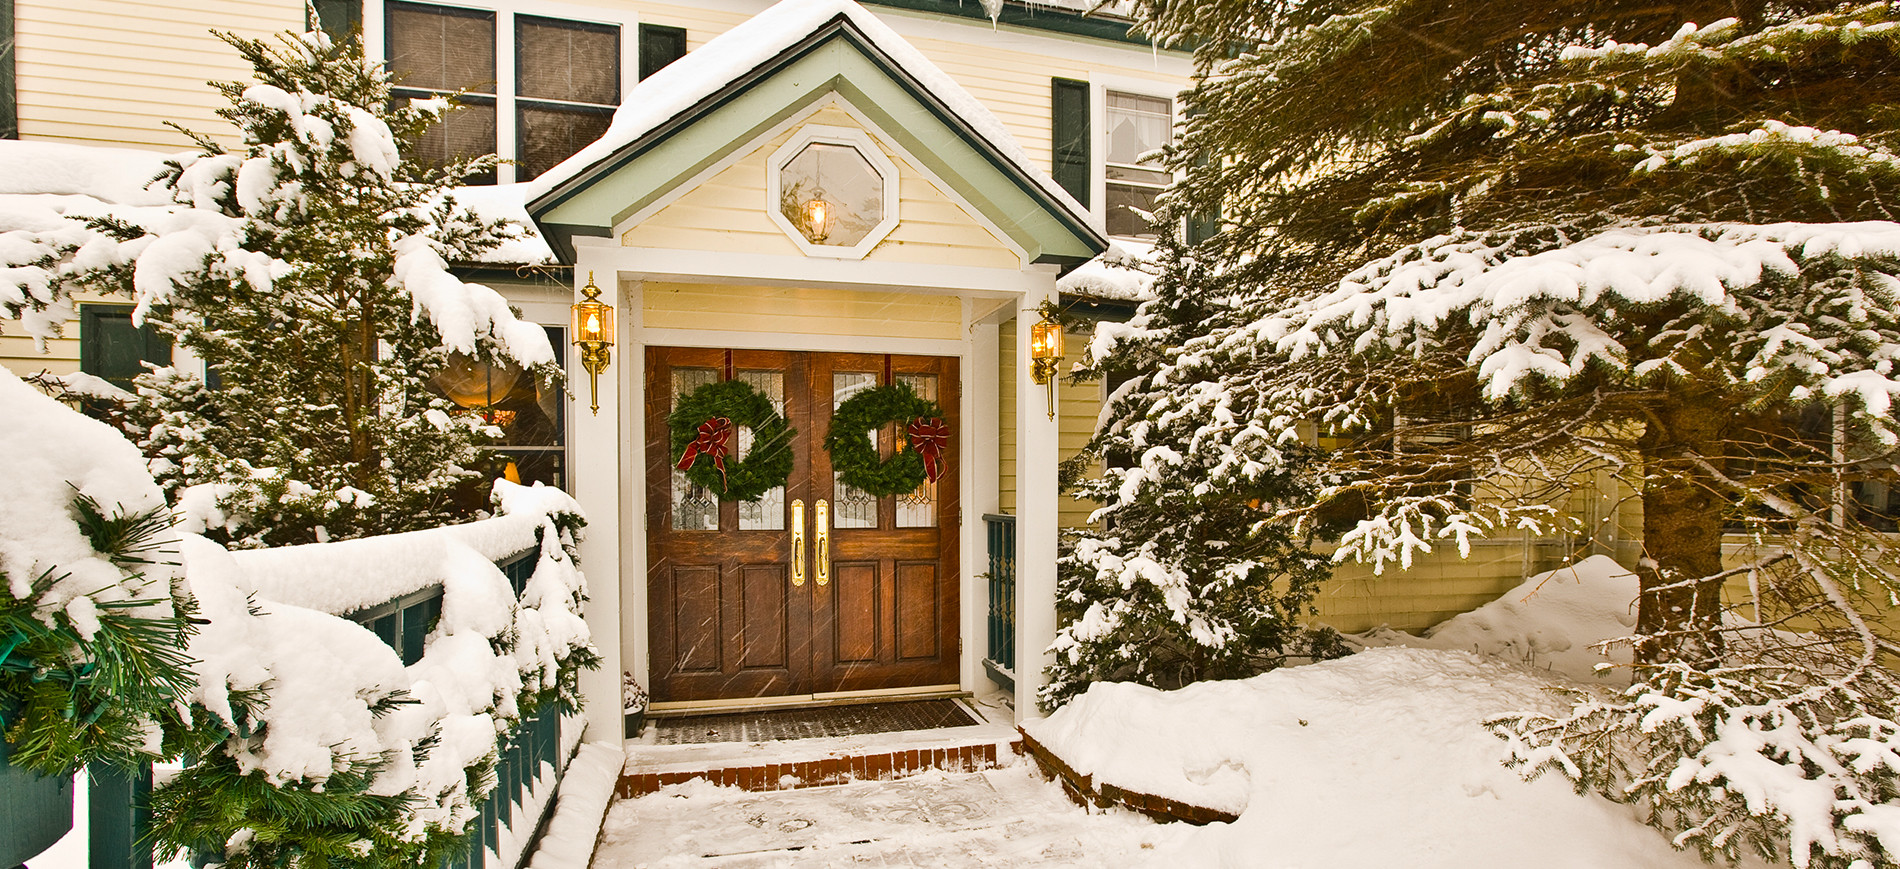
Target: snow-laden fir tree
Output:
[
  {"x": 308, "y": 268},
  {"x": 1498, "y": 253},
  {"x": 1178, "y": 578}
]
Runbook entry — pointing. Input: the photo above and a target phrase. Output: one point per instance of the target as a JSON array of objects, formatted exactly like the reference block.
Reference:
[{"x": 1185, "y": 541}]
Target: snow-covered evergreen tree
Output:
[
  {"x": 1179, "y": 578},
  {"x": 1497, "y": 252},
  {"x": 308, "y": 268}
]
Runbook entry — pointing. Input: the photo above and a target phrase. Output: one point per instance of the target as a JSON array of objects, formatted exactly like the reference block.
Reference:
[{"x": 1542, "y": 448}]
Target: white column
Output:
[
  {"x": 1036, "y": 457},
  {"x": 982, "y": 421},
  {"x": 594, "y": 479}
]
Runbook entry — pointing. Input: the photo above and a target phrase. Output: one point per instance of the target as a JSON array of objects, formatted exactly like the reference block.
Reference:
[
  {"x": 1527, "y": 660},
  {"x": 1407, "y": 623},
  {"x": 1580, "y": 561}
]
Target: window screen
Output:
[
  {"x": 440, "y": 50},
  {"x": 1137, "y": 125},
  {"x": 567, "y": 85}
]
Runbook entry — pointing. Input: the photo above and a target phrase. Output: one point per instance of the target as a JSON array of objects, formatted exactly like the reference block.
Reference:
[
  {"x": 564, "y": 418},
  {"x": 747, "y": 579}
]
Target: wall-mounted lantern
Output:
[
  {"x": 594, "y": 334},
  {"x": 1045, "y": 352}
]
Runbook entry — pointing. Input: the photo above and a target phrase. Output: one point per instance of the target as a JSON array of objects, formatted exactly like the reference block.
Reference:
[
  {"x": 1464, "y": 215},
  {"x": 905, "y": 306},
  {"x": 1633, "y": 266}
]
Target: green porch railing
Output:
[
  {"x": 1001, "y": 658},
  {"x": 36, "y": 812}
]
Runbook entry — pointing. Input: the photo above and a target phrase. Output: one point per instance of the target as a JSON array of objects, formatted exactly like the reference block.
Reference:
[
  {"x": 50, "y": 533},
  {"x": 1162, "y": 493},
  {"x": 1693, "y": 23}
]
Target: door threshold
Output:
[{"x": 793, "y": 701}]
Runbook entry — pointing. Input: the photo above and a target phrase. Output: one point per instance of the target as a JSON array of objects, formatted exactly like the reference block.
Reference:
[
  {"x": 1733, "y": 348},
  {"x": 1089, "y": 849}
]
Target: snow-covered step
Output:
[{"x": 802, "y": 763}]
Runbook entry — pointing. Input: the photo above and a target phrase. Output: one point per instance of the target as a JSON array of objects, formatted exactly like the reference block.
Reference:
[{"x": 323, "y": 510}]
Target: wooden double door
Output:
[{"x": 813, "y": 588}]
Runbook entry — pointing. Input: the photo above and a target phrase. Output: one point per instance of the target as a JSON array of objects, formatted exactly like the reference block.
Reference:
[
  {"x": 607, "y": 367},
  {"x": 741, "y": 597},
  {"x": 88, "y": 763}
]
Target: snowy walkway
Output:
[{"x": 1002, "y": 817}]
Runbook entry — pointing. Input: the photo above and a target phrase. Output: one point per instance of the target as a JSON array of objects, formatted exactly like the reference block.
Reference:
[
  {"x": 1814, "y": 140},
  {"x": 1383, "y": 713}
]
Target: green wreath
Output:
[
  {"x": 705, "y": 455},
  {"x": 855, "y": 456}
]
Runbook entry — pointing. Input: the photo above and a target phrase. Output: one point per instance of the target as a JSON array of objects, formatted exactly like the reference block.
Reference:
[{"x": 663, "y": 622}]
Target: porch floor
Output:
[{"x": 822, "y": 721}]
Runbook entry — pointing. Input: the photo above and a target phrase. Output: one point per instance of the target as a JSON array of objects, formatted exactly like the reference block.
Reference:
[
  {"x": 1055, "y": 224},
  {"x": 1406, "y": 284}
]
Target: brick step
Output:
[{"x": 819, "y": 764}]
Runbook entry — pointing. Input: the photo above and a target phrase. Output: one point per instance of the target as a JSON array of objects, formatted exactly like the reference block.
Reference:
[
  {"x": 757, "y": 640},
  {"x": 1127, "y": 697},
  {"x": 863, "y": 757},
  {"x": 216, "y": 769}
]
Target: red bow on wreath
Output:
[
  {"x": 713, "y": 434},
  {"x": 928, "y": 437}
]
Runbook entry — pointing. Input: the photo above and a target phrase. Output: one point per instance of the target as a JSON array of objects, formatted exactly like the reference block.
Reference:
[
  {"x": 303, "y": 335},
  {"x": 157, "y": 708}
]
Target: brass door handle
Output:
[
  {"x": 824, "y": 542},
  {"x": 798, "y": 542}
]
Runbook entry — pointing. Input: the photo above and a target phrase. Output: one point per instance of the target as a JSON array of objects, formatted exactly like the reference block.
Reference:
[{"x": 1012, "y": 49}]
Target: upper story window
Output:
[
  {"x": 561, "y": 96},
  {"x": 1137, "y": 125}
]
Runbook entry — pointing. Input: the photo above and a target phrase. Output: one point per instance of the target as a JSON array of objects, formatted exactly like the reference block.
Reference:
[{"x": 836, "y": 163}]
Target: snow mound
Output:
[
  {"x": 1374, "y": 760},
  {"x": 1550, "y": 622}
]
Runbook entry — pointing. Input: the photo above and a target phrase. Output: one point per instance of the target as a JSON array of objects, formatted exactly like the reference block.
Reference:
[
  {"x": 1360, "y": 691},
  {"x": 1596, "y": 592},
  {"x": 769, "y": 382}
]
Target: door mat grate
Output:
[{"x": 812, "y": 723}]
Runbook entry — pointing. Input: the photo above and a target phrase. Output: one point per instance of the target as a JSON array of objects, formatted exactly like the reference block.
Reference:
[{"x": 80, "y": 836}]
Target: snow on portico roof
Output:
[{"x": 704, "y": 74}]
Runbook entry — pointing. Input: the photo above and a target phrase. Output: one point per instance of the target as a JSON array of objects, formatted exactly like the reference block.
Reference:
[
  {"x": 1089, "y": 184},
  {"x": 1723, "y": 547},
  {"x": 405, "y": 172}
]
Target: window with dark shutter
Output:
[
  {"x": 1069, "y": 136},
  {"x": 112, "y": 348},
  {"x": 436, "y": 50},
  {"x": 567, "y": 85},
  {"x": 660, "y": 46}
]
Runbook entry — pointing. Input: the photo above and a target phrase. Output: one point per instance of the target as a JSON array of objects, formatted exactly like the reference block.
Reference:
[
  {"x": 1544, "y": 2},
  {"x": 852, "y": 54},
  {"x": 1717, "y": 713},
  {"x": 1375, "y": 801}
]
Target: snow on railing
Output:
[{"x": 450, "y": 650}]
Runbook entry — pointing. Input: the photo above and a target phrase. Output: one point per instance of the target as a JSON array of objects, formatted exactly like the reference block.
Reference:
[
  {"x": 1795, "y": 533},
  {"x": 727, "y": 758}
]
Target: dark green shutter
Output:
[
  {"x": 9, "y": 98},
  {"x": 1069, "y": 135},
  {"x": 342, "y": 19},
  {"x": 660, "y": 46}
]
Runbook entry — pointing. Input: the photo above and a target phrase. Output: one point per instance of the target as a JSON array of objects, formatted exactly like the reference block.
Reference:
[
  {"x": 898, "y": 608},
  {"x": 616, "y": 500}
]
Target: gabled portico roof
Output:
[{"x": 693, "y": 113}]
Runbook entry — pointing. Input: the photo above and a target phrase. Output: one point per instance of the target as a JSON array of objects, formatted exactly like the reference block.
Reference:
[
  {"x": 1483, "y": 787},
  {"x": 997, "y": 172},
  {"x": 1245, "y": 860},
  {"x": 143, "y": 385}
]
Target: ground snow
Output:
[
  {"x": 585, "y": 792},
  {"x": 1373, "y": 760},
  {"x": 1552, "y": 621},
  {"x": 1380, "y": 758}
]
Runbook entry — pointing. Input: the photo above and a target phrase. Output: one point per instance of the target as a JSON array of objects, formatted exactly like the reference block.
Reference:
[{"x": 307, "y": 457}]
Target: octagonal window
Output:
[{"x": 831, "y": 194}]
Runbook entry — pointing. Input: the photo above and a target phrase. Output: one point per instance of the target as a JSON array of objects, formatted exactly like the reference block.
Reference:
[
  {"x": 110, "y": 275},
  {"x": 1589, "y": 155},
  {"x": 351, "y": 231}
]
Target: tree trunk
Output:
[{"x": 1678, "y": 607}]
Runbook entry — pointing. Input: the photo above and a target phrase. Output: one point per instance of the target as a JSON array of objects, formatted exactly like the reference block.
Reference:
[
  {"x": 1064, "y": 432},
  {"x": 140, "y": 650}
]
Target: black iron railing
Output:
[{"x": 1001, "y": 658}]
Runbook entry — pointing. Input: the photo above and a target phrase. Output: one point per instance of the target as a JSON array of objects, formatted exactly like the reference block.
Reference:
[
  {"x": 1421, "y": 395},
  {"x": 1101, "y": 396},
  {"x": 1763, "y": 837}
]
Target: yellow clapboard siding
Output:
[
  {"x": 728, "y": 213},
  {"x": 800, "y": 311},
  {"x": 1006, "y": 418},
  {"x": 1079, "y": 405},
  {"x": 116, "y": 70},
  {"x": 19, "y": 355},
  {"x": 1012, "y": 82},
  {"x": 1437, "y": 587}
]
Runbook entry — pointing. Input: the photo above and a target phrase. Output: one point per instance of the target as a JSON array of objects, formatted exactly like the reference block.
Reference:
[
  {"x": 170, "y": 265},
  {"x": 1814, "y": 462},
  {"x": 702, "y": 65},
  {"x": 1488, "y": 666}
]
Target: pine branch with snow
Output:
[{"x": 310, "y": 270}]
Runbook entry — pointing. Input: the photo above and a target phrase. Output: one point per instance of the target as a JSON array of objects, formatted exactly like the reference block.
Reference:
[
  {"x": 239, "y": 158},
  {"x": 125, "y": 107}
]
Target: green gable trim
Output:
[
  {"x": 1022, "y": 15},
  {"x": 9, "y": 91},
  {"x": 835, "y": 59}
]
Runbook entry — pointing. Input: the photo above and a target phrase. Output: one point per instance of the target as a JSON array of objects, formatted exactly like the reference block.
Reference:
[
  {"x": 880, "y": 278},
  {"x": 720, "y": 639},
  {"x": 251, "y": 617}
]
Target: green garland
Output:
[
  {"x": 766, "y": 466},
  {"x": 855, "y": 456}
]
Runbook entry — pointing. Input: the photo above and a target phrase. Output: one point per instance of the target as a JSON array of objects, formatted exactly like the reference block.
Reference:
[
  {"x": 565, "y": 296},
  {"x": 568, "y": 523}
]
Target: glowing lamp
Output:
[
  {"x": 1045, "y": 352},
  {"x": 818, "y": 217},
  {"x": 594, "y": 334}
]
